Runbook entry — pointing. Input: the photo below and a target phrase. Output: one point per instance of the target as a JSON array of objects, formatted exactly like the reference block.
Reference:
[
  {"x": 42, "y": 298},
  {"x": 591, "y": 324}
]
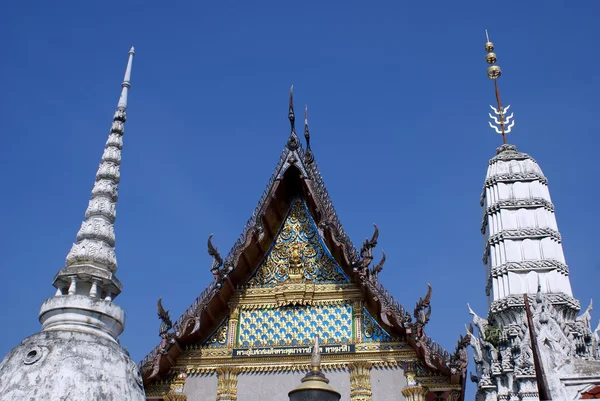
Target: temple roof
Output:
[{"x": 297, "y": 176}]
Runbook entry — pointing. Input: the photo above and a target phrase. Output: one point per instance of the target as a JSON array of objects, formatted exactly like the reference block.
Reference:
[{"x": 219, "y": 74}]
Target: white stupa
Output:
[{"x": 76, "y": 356}]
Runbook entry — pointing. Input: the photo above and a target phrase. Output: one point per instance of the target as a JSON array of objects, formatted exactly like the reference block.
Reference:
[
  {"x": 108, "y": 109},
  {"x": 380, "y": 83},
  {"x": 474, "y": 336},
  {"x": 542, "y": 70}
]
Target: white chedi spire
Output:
[
  {"x": 87, "y": 285},
  {"x": 96, "y": 237},
  {"x": 522, "y": 241},
  {"x": 77, "y": 355}
]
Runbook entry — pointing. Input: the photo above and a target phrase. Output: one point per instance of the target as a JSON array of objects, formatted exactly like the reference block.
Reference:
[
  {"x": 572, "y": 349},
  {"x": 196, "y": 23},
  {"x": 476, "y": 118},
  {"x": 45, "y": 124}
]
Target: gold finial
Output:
[
  {"x": 489, "y": 46},
  {"x": 494, "y": 72}
]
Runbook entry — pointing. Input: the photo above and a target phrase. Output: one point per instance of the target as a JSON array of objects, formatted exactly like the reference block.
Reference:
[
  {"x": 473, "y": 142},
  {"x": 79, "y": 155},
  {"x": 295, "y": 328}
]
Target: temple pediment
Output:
[
  {"x": 298, "y": 254},
  {"x": 292, "y": 275}
]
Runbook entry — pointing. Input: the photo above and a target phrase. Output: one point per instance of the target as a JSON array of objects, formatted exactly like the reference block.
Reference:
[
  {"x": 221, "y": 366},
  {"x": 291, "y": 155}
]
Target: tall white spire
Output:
[
  {"x": 126, "y": 85},
  {"x": 96, "y": 237},
  {"x": 77, "y": 355},
  {"x": 91, "y": 263}
]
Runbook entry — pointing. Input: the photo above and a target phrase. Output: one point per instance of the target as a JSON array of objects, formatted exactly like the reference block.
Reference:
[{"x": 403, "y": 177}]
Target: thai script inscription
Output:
[{"x": 286, "y": 351}]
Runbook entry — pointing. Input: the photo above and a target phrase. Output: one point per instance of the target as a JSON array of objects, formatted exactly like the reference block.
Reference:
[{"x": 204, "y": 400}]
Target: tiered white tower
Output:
[
  {"x": 77, "y": 355},
  {"x": 532, "y": 346},
  {"x": 522, "y": 244}
]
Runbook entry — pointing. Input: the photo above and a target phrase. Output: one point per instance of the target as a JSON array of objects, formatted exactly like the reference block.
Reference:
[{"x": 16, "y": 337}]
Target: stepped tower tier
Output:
[
  {"x": 294, "y": 275},
  {"x": 522, "y": 243},
  {"x": 77, "y": 355},
  {"x": 533, "y": 343}
]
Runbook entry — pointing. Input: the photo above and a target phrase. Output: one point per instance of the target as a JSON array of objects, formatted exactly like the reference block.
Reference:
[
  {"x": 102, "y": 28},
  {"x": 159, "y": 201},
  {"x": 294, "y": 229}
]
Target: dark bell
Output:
[
  {"x": 314, "y": 387},
  {"x": 314, "y": 395}
]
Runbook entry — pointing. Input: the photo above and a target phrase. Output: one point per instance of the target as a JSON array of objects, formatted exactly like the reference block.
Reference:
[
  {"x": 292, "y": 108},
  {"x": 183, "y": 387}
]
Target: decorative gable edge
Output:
[{"x": 391, "y": 313}]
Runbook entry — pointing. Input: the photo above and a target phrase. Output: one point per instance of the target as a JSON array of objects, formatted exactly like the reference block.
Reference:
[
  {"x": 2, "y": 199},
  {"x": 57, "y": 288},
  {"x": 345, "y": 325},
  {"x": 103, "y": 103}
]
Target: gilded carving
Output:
[
  {"x": 360, "y": 381},
  {"x": 298, "y": 250},
  {"x": 175, "y": 397},
  {"x": 227, "y": 384},
  {"x": 415, "y": 393},
  {"x": 358, "y": 320},
  {"x": 176, "y": 389},
  {"x": 219, "y": 337},
  {"x": 372, "y": 331}
]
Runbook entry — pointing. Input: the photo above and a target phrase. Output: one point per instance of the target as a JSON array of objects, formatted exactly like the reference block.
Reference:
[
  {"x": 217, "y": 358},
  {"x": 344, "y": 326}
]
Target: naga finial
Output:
[
  {"x": 377, "y": 269},
  {"x": 291, "y": 115},
  {"x": 423, "y": 308},
  {"x": 366, "y": 251},
  {"x": 212, "y": 251},
  {"x": 293, "y": 141},
  {"x": 308, "y": 156},
  {"x": 165, "y": 319}
]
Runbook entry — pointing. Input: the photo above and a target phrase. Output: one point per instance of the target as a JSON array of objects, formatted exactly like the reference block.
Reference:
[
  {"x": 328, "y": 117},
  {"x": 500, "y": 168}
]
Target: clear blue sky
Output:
[{"x": 398, "y": 101}]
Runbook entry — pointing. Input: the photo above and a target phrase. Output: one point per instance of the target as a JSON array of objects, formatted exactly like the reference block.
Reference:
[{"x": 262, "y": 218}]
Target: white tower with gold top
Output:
[{"x": 532, "y": 346}]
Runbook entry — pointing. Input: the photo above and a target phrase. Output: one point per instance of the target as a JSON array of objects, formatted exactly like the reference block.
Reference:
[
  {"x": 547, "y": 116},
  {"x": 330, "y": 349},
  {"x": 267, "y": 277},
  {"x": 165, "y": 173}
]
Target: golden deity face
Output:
[{"x": 295, "y": 267}]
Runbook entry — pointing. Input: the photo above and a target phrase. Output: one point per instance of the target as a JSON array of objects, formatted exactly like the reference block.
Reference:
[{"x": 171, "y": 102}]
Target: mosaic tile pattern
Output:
[
  {"x": 372, "y": 331},
  {"x": 295, "y": 325},
  {"x": 317, "y": 263}
]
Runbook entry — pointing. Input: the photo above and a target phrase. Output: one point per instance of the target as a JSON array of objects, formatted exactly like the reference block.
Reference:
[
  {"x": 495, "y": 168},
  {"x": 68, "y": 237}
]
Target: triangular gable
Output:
[
  {"x": 220, "y": 336},
  {"x": 298, "y": 241},
  {"x": 372, "y": 331},
  {"x": 293, "y": 205}
]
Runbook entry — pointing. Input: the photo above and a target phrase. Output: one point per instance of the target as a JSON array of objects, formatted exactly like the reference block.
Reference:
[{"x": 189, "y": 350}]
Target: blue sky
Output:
[{"x": 398, "y": 101}]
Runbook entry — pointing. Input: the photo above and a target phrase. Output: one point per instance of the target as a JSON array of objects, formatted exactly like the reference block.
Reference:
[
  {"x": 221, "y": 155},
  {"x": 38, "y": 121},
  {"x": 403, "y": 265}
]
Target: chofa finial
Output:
[
  {"x": 306, "y": 132},
  {"x": 291, "y": 115},
  {"x": 503, "y": 123},
  {"x": 308, "y": 156},
  {"x": 293, "y": 141}
]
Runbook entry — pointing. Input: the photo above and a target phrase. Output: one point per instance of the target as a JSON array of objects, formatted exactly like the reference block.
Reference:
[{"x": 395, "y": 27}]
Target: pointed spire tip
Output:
[{"x": 126, "y": 81}]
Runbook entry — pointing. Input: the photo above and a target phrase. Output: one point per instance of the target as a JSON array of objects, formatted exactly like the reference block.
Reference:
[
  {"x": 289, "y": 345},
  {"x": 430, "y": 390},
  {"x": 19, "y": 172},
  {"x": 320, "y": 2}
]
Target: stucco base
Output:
[
  {"x": 201, "y": 387},
  {"x": 387, "y": 383},
  {"x": 60, "y": 366}
]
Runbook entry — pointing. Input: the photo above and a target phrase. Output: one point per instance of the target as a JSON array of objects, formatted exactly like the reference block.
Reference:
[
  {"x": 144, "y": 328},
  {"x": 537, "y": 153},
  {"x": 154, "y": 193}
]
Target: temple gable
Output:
[
  {"x": 298, "y": 250},
  {"x": 294, "y": 274}
]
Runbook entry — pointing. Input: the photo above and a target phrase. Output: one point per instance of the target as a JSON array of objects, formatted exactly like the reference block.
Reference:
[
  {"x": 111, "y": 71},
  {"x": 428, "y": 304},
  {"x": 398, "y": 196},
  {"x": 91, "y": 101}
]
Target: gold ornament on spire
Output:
[{"x": 503, "y": 123}]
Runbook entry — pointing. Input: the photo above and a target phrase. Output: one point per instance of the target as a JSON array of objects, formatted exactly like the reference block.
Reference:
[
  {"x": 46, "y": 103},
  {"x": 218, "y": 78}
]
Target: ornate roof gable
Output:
[{"x": 295, "y": 223}]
